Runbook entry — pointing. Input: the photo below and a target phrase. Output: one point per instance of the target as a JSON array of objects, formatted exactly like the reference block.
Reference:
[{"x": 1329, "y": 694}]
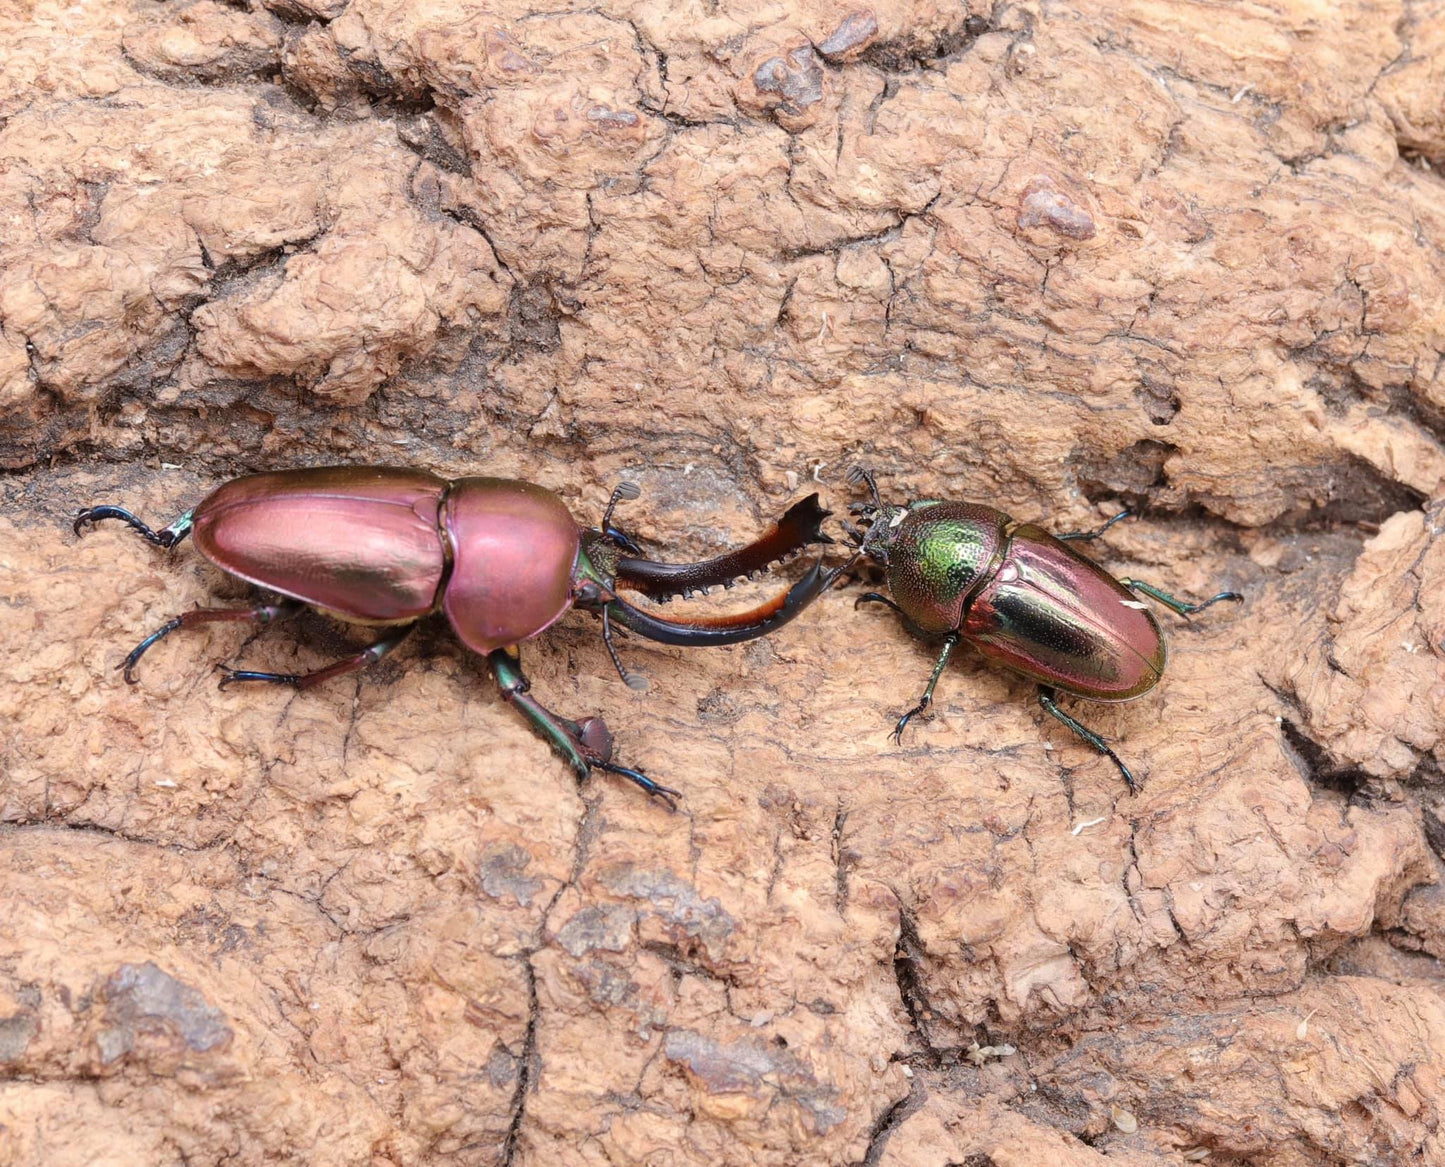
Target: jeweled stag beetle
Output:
[
  {"x": 1024, "y": 598},
  {"x": 504, "y": 560}
]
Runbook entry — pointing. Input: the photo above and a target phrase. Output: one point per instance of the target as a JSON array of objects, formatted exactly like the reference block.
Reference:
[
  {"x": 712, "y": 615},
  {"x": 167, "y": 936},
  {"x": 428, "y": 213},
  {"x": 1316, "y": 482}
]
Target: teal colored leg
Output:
[
  {"x": 1182, "y": 607},
  {"x": 1046, "y": 699},
  {"x": 367, "y": 656},
  {"x": 165, "y": 537},
  {"x": 949, "y": 643},
  {"x": 1085, "y": 536},
  {"x": 586, "y": 745}
]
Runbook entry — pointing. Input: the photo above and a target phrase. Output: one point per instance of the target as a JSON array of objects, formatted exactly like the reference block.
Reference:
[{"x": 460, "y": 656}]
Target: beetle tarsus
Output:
[
  {"x": 128, "y": 665},
  {"x": 1047, "y": 699},
  {"x": 1086, "y": 536},
  {"x": 664, "y": 793},
  {"x": 166, "y": 537},
  {"x": 234, "y": 675},
  {"x": 897, "y": 734},
  {"x": 1173, "y": 603}
]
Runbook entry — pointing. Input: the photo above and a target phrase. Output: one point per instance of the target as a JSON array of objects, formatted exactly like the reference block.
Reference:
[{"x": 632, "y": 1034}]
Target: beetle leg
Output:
[
  {"x": 665, "y": 793},
  {"x": 166, "y": 537},
  {"x": 1085, "y": 536},
  {"x": 880, "y": 598},
  {"x": 1182, "y": 607},
  {"x": 586, "y": 744},
  {"x": 950, "y": 642},
  {"x": 1046, "y": 699},
  {"x": 260, "y": 614},
  {"x": 367, "y": 656}
]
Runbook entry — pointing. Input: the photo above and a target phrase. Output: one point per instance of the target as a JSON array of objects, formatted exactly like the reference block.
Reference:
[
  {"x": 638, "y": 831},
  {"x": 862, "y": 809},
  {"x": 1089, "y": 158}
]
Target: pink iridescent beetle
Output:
[{"x": 502, "y": 559}]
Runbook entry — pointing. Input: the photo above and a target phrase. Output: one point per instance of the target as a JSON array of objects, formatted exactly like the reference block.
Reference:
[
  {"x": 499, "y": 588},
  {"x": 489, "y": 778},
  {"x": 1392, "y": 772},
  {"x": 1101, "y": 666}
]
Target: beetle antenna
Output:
[
  {"x": 862, "y": 474},
  {"x": 631, "y": 680},
  {"x": 625, "y": 491}
]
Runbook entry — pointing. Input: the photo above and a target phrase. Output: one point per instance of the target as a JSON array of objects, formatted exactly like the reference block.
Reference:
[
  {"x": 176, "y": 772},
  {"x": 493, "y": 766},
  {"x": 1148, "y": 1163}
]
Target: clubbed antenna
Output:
[
  {"x": 631, "y": 680},
  {"x": 859, "y": 474},
  {"x": 626, "y": 491}
]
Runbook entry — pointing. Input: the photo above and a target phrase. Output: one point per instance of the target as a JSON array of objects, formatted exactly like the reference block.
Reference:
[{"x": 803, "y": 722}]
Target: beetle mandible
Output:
[
  {"x": 1023, "y": 597},
  {"x": 503, "y": 559}
]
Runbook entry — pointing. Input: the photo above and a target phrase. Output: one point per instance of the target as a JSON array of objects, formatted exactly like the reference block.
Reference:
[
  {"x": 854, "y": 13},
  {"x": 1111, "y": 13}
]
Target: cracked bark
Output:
[
  {"x": 524, "y": 1068},
  {"x": 577, "y": 246}
]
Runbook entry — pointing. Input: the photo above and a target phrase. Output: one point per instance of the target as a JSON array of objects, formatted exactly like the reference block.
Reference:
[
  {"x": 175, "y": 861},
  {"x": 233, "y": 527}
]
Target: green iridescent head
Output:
[
  {"x": 937, "y": 553},
  {"x": 879, "y": 520}
]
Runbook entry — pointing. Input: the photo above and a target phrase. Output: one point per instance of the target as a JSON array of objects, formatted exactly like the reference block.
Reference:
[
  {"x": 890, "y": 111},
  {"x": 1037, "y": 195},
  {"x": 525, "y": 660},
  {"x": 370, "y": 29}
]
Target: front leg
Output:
[
  {"x": 586, "y": 744},
  {"x": 880, "y": 598},
  {"x": 950, "y": 642}
]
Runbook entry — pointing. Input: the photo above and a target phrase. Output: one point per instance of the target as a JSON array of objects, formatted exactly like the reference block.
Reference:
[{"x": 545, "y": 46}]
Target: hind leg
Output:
[
  {"x": 166, "y": 537},
  {"x": 1182, "y": 607}
]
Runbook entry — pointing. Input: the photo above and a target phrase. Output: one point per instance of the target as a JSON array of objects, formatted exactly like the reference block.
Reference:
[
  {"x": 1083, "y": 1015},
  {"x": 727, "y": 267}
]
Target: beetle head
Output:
[
  {"x": 598, "y": 562},
  {"x": 877, "y": 520},
  {"x": 603, "y": 547}
]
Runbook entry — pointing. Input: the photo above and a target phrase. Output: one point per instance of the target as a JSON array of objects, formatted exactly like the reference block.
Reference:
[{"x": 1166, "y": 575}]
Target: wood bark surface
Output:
[{"x": 1056, "y": 257}]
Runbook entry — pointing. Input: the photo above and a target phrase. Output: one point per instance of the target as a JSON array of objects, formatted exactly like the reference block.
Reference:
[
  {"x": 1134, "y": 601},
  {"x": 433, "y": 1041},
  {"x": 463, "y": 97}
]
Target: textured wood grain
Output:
[{"x": 1051, "y": 257}]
